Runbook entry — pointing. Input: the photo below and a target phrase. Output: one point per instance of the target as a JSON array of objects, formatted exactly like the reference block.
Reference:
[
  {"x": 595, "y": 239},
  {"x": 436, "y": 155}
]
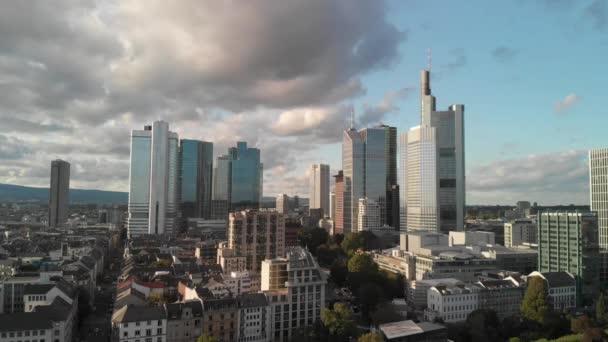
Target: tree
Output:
[
  {"x": 312, "y": 238},
  {"x": 483, "y": 325},
  {"x": 371, "y": 337},
  {"x": 362, "y": 263},
  {"x": 369, "y": 296},
  {"x": 555, "y": 325},
  {"x": 339, "y": 321},
  {"x": 593, "y": 335},
  {"x": 580, "y": 324},
  {"x": 535, "y": 306},
  {"x": 601, "y": 309},
  {"x": 352, "y": 242},
  {"x": 338, "y": 272},
  {"x": 385, "y": 313},
  {"x": 206, "y": 338}
]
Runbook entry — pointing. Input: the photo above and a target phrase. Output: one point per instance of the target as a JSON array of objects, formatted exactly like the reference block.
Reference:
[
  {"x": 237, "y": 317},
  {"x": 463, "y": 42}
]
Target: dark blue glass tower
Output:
[
  {"x": 246, "y": 177},
  {"x": 196, "y": 171}
]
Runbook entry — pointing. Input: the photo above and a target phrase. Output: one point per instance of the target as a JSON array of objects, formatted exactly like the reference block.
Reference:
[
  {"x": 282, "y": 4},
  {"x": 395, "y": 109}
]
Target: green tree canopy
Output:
[
  {"x": 360, "y": 240},
  {"x": 371, "y": 337},
  {"x": 601, "y": 309},
  {"x": 369, "y": 296},
  {"x": 535, "y": 306},
  {"x": 338, "y": 272},
  {"x": 362, "y": 263},
  {"x": 483, "y": 325},
  {"x": 580, "y": 324},
  {"x": 313, "y": 238},
  {"x": 338, "y": 321}
]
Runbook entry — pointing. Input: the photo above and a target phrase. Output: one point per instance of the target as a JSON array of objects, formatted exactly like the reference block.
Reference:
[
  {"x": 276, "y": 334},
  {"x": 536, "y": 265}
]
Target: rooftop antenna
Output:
[
  {"x": 352, "y": 117},
  {"x": 428, "y": 56}
]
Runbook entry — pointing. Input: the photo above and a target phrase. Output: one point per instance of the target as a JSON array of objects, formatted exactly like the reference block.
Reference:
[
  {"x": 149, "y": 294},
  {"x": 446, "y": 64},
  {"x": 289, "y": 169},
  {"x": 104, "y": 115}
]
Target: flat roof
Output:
[{"x": 407, "y": 328}]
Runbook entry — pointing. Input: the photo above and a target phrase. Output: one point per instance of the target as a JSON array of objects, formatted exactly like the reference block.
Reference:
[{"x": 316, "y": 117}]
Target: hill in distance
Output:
[{"x": 13, "y": 193}]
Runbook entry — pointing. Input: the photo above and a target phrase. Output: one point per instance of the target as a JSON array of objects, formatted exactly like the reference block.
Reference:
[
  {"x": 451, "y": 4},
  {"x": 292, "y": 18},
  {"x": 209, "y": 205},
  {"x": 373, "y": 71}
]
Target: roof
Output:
[
  {"x": 407, "y": 328},
  {"x": 138, "y": 313},
  {"x": 220, "y": 304},
  {"x": 19, "y": 321},
  {"x": 59, "y": 310},
  {"x": 37, "y": 288},
  {"x": 175, "y": 310},
  {"x": 559, "y": 279},
  {"x": 251, "y": 300}
]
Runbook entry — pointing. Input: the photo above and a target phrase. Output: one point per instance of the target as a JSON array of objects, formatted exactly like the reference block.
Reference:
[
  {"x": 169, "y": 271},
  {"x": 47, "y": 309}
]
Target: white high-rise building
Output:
[
  {"x": 444, "y": 129},
  {"x": 319, "y": 188},
  {"x": 418, "y": 149},
  {"x": 369, "y": 215},
  {"x": 332, "y": 205},
  {"x": 520, "y": 231},
  {"x": 598, "y": 179},
  {"x": 153, "y": 179},
  {"x": 282, "y": 204}
]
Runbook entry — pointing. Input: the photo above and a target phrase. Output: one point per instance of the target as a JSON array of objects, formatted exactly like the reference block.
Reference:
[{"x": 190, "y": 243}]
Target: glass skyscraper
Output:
[
  {"x": 598, "y": 179},
  {"x": 245, "y": 180},
  {"x": 59, "y": 193},
  {"x": 153, "y": 180},
  {"x": 196, "y": 175}
]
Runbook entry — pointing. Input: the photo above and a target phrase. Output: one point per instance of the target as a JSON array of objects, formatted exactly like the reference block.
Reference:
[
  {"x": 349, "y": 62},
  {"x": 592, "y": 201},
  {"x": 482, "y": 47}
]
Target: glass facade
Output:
[
  {"x": 196, "y": 160},
  {"x": 245, "y": 178}
]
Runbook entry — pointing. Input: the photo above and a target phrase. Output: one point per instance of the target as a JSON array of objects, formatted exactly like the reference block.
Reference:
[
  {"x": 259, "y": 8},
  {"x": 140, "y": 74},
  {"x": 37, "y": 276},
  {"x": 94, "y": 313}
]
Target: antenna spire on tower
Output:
[
  {"x": 352, "y": 117},
  {"x": 429, "y": 58}
]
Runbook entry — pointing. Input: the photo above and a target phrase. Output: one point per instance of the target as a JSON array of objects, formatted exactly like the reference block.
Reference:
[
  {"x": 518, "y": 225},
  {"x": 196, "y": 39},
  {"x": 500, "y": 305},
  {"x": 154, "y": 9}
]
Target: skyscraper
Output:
[
  {"x": 598, "y": 179},
  {"x": 153, "y": 180},
  {"x": 195, "y": 175},
  {"x": 246, "y": 178},
  {"x": 282, "y": 204},
  {"x": 392, "y": 191},
  {"x": 59, "y": 193},
  {"x": 319, "y": 188},
  {"x": 445, "y": 131},
  {"x": 339, "y": 195},
  {"x": 568, "y": 241},
  {"x": 365, "y": 165},
  {"x": 222, "y": 175}
]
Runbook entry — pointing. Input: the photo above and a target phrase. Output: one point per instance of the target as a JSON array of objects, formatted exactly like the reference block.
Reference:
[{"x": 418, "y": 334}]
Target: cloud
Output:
[
  {"x": 597, "y": 13},
  {"x": 550, "y": 178},
  {"x": 77, "y": 76},
  {"x": 504, "y": 54},
  {"x": 376, "y": 114},
  {"x": 567, "y": 103}
]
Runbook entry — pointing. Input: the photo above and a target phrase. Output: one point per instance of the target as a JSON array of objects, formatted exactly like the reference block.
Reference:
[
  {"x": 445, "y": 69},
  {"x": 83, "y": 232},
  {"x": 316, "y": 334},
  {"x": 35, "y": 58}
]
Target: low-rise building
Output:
[
  {"x": 452, "y": 303},
  {"x": 520, "y": 231},
  {"x": 139, "y": 323},
  {"x": 221, "y": 319},
  {"x": 184, "y": 321},
  {"x": 462, "y": 266},
  {"x": 501, "y": 296},
  {"x": 255, "y": 319},
  {"x": 409, "y": 331},
  {"x": 417, "y": 289},
  {"x": 561, "y": 289}
]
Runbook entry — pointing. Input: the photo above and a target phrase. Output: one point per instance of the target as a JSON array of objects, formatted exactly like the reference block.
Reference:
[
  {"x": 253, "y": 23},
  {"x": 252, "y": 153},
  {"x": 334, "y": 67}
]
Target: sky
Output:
[{"x": 76, "y": 76}]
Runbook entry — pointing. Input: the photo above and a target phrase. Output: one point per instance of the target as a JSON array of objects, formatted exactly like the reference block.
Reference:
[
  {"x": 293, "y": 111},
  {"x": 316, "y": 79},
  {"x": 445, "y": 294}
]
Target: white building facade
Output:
[
  {"x": 520, "y": 231},
  {"x": 319, "y": 188}
]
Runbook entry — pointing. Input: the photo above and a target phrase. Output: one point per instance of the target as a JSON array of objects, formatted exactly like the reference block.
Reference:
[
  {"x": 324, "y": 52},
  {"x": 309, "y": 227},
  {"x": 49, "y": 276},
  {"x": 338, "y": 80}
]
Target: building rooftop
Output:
[
  {"x": 407, "y": 328},
  {"x": 251, "y": 300},
  {"x": 175, "y": 310},
  {"x": 132, "y": 313}
]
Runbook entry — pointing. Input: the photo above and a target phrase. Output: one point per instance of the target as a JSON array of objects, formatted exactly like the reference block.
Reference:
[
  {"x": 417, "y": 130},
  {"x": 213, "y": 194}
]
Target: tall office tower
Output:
[
  {"x": 369, "y": 215},
  {"x": 444, "y": 129},
  {"x": 340, "y": 195},
  {"x": 364, "y": 163},
  {"x": 598, "y": 179},
  {"x": 257, "y": 235},
  {"x": 392, "y": 204},
  {"x": 283, "y": 204},
  {"x": 295, "y": 288},
  {"x": 153, "y": 180},
  {"x": 420, "y": 189},
  {"x": 332, "y": 205},
  {"x": 568, "y": 241},
  {"x": 245, "y": 178},
  {"x": 222, "y": 175},
  {"x": 195, "y": 175},
  {"x": 319, "y": 188},
  {"x": 59, "y": 193},
  {"x": 523, "y": 207}
]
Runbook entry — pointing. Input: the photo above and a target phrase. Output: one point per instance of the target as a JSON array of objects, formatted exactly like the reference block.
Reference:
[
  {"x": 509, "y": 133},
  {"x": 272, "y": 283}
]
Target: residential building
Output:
[
  {"x": 502, "y": 296},
  {"x": 184, "y": 321},
  {"x": 221, "y": 319},
  {"x": 153, "y": 181},
  {"x": 282, "y": 204},
  {"x": 340, "y": 196},
  {"x": 432, "y": 159},
  {"x": 59, "y": 193},
  {"x": 452, "y": 303},
  {"x": 229, "y": 261},
  {"x": 246, "y": 176},
  {"x": 133, "y": 323},
  {"x": 568, "y": 241},
  {"x": 255, "y": 319},
  {"x": 417, "y": 290},
  {"x": 256, "y": 235},
  {"x": 561, "y": 289},
  {"x": 319, "y": 188},
  {"x": 520, "y": 231},
  {"x": 409, "y": 331},
  {"x": 295, "y": 288},
  {"x": 195, "y": 179},
  {"x": 598, "y": 186}
]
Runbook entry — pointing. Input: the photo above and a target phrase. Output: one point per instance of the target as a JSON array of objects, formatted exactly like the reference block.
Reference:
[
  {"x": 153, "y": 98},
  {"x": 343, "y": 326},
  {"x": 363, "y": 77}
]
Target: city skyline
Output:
[{"x": 298, "y": 123}]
